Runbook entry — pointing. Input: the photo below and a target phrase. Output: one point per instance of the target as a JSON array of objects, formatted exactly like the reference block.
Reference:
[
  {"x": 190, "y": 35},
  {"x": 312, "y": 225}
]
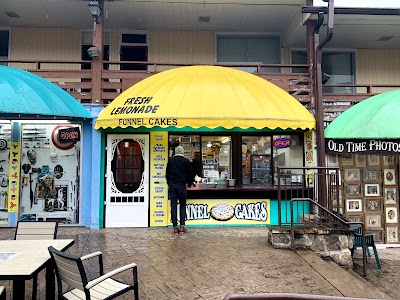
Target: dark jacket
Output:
[{"x": 179, "y": 171}]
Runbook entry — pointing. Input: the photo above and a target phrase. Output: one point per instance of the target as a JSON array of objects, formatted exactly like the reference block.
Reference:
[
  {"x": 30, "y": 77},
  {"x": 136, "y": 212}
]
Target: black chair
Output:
[
  {"x": 36, "y": 230},
  {"x": 70, "y": 270}
]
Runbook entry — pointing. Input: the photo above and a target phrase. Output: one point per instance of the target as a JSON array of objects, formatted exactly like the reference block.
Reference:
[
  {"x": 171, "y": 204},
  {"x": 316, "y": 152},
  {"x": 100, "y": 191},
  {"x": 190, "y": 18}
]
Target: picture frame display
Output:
[
  {"x": 388, "y": 160},
  {"x": 372, "y": 175},
  {"x": 373, "y": 204},
  {"x": 391, "y": 214},
  {"x": 354, "y": 218},
  {"x": 373, "y": 220},
  {"x": 352, "y": 174},
  {"x": 353, "y": 205},
  {"x": 377, "y": 235},
  {"x": 389, "y": 176},
  {"x": 392, "y": 234},
  {"x": 372, "y": 189},
  {"x": 353, "y": 190},
  {"x": 373, "y": 160},
  {"x": 390, "y": 195},
  {"x": 347, "y": 160},
  {"x": 361, "y": 160},
  {"x": 333, "y": 160}
]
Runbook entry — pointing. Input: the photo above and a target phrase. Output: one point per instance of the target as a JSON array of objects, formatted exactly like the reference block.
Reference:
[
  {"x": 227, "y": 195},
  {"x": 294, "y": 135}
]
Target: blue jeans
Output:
[{"x": 177, "y": 192}]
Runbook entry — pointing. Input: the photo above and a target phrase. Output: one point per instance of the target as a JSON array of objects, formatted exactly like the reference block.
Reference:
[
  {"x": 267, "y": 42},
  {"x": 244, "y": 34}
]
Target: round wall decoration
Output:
[
  {"x": 56, "y": 140},
  {"x": 3, "y": 144}
]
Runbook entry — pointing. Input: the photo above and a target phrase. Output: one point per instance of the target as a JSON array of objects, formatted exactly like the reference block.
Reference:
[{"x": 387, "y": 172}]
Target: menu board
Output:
[{"x": 158, "y": 183}]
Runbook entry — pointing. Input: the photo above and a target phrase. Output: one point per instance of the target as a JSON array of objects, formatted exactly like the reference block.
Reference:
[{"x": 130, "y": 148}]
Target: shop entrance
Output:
[{"x": 127, "y": 189}]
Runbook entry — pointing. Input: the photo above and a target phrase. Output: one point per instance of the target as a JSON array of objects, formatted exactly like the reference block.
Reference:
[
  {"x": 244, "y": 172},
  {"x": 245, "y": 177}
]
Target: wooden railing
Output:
[{"x": 76, "y": 78}]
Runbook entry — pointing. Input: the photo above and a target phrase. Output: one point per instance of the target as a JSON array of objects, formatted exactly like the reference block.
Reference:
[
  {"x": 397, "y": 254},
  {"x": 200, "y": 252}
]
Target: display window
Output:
[
  {"x": 210, "y": 156},
  {"x": 45, "y": 173}
]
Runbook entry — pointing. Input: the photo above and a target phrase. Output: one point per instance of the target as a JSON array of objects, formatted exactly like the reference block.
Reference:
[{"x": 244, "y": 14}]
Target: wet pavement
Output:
[{"x": 209, "y": 263}]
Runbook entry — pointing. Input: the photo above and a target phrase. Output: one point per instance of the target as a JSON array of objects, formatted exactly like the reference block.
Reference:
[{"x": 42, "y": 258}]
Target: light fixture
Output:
[
  {"x": 93, "y": 51},
  {"x": 209, "y": 144},
  {"x": 95, "y": 10}
]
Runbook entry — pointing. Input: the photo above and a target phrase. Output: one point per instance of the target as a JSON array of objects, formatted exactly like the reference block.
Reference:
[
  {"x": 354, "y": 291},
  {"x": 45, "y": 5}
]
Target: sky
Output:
[{"x": 362, "y": 3}]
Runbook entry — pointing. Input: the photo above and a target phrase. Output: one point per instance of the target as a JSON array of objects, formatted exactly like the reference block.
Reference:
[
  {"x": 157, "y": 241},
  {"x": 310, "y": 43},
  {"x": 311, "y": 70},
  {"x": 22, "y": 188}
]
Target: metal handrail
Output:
[{"x": 337, "y": 218}]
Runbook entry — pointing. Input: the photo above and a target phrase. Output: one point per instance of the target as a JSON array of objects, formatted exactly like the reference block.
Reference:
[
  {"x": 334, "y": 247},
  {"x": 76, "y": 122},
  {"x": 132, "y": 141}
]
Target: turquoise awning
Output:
[
  {"x": 374, "y": 118},
  {"x": 26, "y": 95}
]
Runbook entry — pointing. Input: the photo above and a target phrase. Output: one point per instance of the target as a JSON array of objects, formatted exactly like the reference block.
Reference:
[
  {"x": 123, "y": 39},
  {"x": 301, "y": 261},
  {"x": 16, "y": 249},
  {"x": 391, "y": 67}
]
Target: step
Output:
[{"x": 347, "y": 283}]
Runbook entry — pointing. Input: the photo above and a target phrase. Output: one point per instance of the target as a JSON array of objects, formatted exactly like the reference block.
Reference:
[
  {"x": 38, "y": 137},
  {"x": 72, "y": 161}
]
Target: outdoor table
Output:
[{"x": 21, "y": 260}]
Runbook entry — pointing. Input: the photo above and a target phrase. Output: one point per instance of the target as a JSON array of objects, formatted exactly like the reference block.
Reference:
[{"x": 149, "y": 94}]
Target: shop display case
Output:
[{"x": 260, "y": 169}]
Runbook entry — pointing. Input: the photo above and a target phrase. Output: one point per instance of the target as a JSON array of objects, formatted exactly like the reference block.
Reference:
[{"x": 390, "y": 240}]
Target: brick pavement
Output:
[{"x": 206, "y": 263}]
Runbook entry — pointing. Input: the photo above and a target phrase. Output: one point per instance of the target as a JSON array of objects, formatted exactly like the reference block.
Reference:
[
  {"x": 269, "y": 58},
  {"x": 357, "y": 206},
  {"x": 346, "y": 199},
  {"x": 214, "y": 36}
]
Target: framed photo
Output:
[
  {"x": 373, "y": 205},
  {"x": 353, "y": 190},
  {"x": 353, "y": 205},
  {"x": 372, "y": 189},
  {"x": 388, "y": 160},
  {"x": 392, "y": 234},
  {"x": 361, "y": 160},
  {"x": 391, "y": 214},
  {"x": 354, "y": 218},
  {"x": 372, "y": 175},
  {"x": 334, "y": 177},
  {"x": 352, "y": 174},
  {"x": 373, "y": 220},
  {"x": 58, "y": 202},
  {"x": 390, "y": 195},
  {"x": 333, "y": 160},
  {"x": 377, "y": 235},
  {"x": 389, "y": 177},
  {"x": 347, "y": 159},
  {"x": 373, "y": 160}
]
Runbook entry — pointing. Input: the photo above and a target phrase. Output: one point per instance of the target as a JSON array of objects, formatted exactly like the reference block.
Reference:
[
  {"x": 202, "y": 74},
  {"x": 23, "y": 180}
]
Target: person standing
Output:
[{"x": 178, "y": 174}]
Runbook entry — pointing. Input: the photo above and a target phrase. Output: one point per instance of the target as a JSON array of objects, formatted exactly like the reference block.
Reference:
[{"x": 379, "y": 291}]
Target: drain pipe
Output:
[{"x": 319, "y": 109}]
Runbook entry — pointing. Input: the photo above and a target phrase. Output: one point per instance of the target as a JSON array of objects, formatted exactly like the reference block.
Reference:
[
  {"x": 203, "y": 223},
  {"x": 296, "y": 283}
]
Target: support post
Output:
[{"x": 97, "y": 63}]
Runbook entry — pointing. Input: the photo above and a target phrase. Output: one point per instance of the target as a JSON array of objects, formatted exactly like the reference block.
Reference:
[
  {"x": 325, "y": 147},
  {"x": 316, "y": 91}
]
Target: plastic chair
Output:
[
  {"x": 36, "y": 230},
  {"x": 369, "y": 242},
  {"x": 70, "y": 270}
]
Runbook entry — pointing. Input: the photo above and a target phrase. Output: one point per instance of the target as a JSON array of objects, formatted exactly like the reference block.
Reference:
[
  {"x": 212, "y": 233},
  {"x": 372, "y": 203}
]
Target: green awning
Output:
[
  {"x": 377, "y": 117},
  {"x": 26, "y": 95}
]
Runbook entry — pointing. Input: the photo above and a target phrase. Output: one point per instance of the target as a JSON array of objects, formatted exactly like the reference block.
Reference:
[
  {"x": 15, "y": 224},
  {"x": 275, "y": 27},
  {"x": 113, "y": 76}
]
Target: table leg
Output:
[
  {"x": 18, "y": 289},
  {"x": 50, "y": 285}
]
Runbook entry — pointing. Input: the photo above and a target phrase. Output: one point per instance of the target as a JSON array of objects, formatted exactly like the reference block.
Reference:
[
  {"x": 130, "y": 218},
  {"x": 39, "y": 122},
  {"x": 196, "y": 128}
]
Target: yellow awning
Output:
[{"x": 207, "y": 96}]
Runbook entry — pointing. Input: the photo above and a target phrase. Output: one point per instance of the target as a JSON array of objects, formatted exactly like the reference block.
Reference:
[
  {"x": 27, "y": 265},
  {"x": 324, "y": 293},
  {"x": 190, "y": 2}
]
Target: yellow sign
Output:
[
  {"x": 158, "y": 183},
  {"x": 14, "y": 177},
  {"x": 227, "y": 212}
]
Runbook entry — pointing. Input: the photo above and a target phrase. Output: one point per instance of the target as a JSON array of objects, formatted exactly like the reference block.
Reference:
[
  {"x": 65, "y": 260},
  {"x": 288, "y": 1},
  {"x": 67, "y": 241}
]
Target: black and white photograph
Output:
[
  {"x": 373, "y": 204},
  {"x": 389, "y": 176},
  {"x": 355, "y": 218},
  {"x": 352, "y": 174},
  {"x": 333, "y": 160},
  {"x": 59, "y": 200},
  {"x": 347, "y": 159},
  {"x": 388, "y": 160},
  {"x": 372, "y": 189},
  {"x": 353, "y": 205},
  {"x": 372, "y": 175},
  {"x": 377, "y": 235},
  {"x": 361, "y": 160},
  {"x": 353, "y": 190},
  {"x": 391, "y": 214},
  {"x": 392, "y": 233},
  {"x": 390, "y": 196},
  {"x": 373, "y": 220},
  {"x": 373, "y": 160}
]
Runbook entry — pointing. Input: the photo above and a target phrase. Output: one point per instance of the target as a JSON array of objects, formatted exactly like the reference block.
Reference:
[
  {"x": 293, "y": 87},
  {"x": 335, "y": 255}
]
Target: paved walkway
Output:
[{"x": 208, "y": 263}]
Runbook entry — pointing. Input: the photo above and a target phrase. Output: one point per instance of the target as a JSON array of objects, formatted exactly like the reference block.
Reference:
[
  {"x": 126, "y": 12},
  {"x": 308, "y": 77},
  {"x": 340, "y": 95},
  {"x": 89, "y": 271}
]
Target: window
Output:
[
  {"x": 337, "y": 68},
  {"x": 210, "y": 155},
  {"x": 249, "y": 49},
  {"x": 4, "y": 39},
  {"x": 256, "y": 160}
]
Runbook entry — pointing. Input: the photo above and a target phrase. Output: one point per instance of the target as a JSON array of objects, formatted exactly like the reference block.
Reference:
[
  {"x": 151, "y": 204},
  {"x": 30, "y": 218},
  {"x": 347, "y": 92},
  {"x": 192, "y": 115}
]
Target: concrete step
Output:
[{"x": 348, "y": 283}]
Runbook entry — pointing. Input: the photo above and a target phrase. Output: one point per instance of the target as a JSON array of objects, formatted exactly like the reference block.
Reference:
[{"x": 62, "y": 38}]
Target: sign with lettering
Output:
[
  {"x": 363, "y": 146},
  {"x": 282, "y": 143},
  {"x": 227, "y": 211},
  {"x": 67, "y": 135}
]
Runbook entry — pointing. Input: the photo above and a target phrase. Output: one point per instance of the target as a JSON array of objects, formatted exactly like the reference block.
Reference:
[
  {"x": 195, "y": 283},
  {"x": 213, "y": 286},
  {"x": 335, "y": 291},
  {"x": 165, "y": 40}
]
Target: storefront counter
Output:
[{"x": 240, "y": 206}]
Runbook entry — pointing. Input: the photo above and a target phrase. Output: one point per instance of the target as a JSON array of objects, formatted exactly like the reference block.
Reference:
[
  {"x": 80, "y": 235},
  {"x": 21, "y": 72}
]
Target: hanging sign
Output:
[
  {"x": 282, "y": 143},
  {"x": 68, "y": 135},
  {"x": 56, "y": 138},
  {"x": 363, "y": 146}
]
